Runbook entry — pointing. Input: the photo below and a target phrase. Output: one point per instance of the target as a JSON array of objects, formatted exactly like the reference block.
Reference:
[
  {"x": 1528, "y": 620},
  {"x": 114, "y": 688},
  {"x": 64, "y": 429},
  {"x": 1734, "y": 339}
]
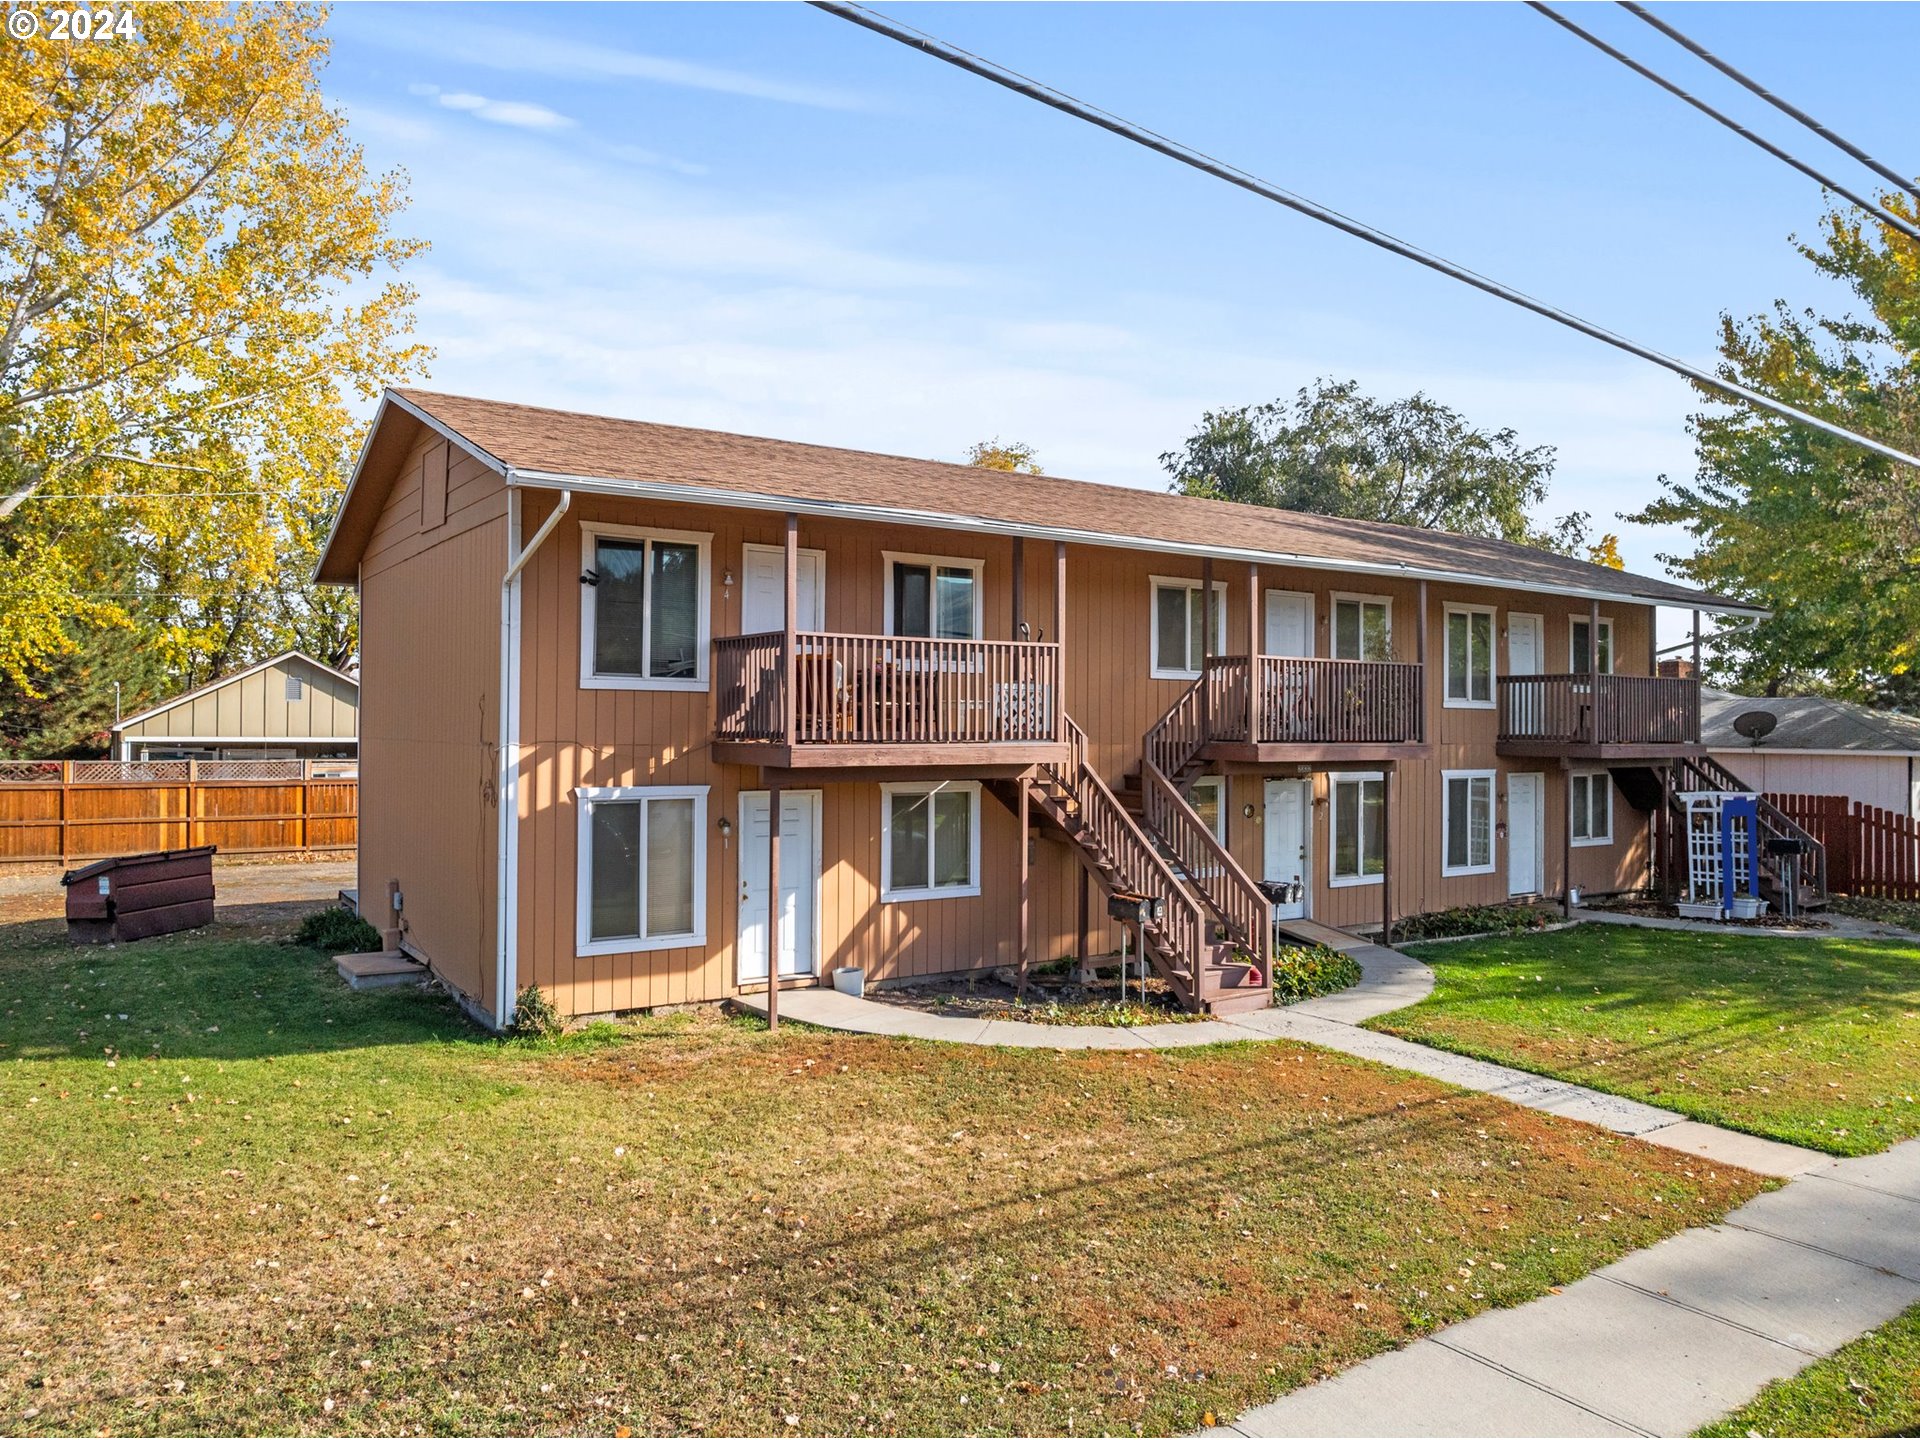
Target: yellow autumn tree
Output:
[
  {"x": 198, "y": 284},
  {"x": 1014, "y": 457}
]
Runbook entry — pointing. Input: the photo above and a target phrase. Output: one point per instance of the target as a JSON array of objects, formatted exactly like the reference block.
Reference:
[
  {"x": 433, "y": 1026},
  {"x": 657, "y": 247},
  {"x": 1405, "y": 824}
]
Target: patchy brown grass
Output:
[{"x": 344, "y": 1213}]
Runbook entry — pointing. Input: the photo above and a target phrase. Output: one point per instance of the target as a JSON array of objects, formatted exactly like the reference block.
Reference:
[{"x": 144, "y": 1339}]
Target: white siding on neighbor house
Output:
[{"x": 1885, "y": 780}]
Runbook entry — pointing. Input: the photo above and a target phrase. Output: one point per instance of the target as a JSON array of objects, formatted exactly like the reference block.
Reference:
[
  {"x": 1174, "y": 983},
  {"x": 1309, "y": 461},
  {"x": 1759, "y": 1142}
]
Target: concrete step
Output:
[{"x": 373, "y": 970}]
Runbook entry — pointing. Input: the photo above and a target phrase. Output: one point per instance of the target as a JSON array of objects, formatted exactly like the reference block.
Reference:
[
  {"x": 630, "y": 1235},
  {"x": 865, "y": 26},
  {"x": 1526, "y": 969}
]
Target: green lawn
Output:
[
  {"x": 241, "y": 1198},
  {"x": 1871, "y": 1387},
  {"x": 1812, "y": 1041}
]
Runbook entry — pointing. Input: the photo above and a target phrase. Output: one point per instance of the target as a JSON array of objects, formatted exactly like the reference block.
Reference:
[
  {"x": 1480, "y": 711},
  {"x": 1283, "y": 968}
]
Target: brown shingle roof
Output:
[{"x": 566, "y": 444}]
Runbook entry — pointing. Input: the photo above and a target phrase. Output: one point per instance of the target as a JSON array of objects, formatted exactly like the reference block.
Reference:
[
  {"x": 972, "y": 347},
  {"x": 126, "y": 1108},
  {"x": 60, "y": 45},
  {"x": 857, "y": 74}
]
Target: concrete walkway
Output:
[
  {"x": 1833, "y": 927},
  {"x": 1389, "y": 981},
  {"x": 1660, "y": 1343}
]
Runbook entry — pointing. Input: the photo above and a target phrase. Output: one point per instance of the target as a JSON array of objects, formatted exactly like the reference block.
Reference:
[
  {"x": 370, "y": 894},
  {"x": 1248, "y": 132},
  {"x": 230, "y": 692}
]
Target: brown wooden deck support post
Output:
[
  {"x": 1696, "y": 645},
  {"x": 1026, "y": 868},
  {"x": 1386, "y": 855},
  {"x": 1019, "y": 588},
  {"x": 1665, "y": 887},
  {"x": 1566, "y": 834},
  {"x": 1420, "y": 659},
  {"x": 1086, "y": 926},
  {"x": 789, "y": 662},
  {"x": 1060, "y": 639},
  {"x": 1206, "y": 645},
  {"x": 1256, "y": 720},
  {"x": 773, "y": 876}
]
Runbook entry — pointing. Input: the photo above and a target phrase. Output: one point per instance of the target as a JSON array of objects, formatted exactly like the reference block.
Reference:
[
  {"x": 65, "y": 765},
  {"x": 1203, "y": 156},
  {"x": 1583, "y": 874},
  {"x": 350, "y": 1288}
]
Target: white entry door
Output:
[
  {"x": 1289, "y": 623},
  {"x": 1289, "y": 808},
  {"x": 1526, "y": 830},
  {"x": 1526, "y": 655},
  {"x": 763, "y": 603},
  {"x": 799, "y": 883}
]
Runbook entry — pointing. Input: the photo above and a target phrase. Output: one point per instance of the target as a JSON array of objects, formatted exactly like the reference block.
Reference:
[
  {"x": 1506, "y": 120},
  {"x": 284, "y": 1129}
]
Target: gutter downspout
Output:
[{"x": 506, "y": 885}]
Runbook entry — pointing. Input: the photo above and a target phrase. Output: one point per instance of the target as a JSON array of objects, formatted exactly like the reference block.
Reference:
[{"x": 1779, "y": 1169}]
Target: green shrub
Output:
[
  {"x": 534, "y": 1016},
  {"x": 338, "y": 932},
  {"x": 1472, "y": 920},
  {"x": 1301, "y": 972}
]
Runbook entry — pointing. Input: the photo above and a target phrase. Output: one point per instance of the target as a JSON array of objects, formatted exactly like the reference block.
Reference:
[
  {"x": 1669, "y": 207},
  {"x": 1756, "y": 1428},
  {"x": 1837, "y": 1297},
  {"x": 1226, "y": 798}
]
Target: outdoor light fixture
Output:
[
  {"x": 1246, "y": 810},
  {"x": 726, "y": 584},
  {"x": 726, "y": 831},
  {"x": 589, "y": 576}
]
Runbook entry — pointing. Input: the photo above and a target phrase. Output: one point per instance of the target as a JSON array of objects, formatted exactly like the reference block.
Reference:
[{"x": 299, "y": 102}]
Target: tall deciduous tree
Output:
[
  {"x": 1822, "y": 533},
  {"x": 1335, "y": 451},
  {"x": 195, "y": 285}
]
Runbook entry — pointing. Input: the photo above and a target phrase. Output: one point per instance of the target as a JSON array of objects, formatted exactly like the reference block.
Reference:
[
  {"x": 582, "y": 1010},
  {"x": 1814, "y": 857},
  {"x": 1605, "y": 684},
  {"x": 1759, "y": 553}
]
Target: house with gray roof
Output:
[{"x": 1818, "y": 746}]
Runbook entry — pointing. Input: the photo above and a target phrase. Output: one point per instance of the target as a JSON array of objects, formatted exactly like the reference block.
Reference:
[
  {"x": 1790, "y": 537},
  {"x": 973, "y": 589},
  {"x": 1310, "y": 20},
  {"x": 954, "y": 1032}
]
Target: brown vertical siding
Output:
[
  {"x": 574, "y": 737},
  {"x": 430, "y": 675}
]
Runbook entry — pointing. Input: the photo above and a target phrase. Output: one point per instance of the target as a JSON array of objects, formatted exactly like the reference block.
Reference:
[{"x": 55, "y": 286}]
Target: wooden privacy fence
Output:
[
  {"x": 1870, "y": 851},
  {"x": 65, "y": 810}
]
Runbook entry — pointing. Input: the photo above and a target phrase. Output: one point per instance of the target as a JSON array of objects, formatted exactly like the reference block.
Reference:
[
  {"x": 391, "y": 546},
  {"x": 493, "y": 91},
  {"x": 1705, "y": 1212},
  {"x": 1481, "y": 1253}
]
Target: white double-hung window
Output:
[
  {"x": 1357, "y": 824},
  {"x": 1592, "y": 818},
  {"x": 1180, "y": 627},
  {"x": 642, "y": 868},
  {"x": 644, "y": 609},
  {"x": 1469, "y": 657},
  {"x": 930, "y": 840},
  {"x": 1466, "y": 821},
  {"x": 1362, "y": 627},
  {"x": 1580, "y": 645}
]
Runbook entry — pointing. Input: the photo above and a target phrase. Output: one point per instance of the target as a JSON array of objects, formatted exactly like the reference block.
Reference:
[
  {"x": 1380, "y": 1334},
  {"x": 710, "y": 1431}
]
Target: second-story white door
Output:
[
  {"x": 1526, "y": 655},
  {"x": 763, "y": 597},
  {"x": 1289, "y": 623}
]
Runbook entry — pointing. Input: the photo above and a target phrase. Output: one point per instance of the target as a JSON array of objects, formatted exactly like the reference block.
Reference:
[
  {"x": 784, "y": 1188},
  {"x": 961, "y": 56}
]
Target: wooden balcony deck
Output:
[
  {"x": 878, "y": 701},
  {"x": 1311, "y": 710},
  {"x": 1599, "y": 717}
]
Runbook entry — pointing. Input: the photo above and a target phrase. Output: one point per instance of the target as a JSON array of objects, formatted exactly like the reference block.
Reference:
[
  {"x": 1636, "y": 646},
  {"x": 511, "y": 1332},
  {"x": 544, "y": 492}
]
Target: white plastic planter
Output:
[{"x": 850, "y": 980}]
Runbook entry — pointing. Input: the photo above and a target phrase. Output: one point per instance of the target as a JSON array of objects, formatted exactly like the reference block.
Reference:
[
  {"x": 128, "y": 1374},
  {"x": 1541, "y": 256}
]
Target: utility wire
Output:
[
  {"x": 1873, "y": 208},
  {"x": 1220, "y": 170},
  {"x": 1885, "y": 172}
]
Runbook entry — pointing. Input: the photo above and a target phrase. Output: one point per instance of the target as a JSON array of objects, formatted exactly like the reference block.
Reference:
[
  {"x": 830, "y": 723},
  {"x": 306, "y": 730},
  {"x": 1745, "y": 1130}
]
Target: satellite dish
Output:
[{"x": 1755, "y": 725}]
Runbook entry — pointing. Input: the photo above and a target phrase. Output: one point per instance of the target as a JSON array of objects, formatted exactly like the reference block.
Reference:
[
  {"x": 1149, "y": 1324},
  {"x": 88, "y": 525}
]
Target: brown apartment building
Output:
[{"x": 977, "y": 703}]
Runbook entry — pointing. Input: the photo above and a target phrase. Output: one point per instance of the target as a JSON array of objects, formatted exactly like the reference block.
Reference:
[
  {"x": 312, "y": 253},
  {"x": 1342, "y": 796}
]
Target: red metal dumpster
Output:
[{"x": 132, "y": 897}]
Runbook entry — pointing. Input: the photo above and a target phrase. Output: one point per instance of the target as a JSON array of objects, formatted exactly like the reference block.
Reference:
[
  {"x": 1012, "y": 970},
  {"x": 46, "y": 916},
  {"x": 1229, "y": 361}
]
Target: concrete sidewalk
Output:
[{"x": 1660, "y": 1343}]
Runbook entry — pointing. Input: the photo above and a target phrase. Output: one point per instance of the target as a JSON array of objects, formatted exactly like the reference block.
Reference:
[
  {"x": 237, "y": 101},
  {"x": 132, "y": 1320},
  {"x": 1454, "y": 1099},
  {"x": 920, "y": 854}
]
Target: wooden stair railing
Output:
[
  {"x": 1171, "y": 759},
  {"x": 1122, "y": 857},
  {"x": 1703, "y": 772}
]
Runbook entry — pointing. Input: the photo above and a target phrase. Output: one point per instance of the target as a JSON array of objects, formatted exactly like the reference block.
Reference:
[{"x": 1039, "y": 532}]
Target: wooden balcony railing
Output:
[
  {"x": 887, "y": 690},
  {"x": 1302, "y": 701},
  {"x": 1599, "y": 710}
]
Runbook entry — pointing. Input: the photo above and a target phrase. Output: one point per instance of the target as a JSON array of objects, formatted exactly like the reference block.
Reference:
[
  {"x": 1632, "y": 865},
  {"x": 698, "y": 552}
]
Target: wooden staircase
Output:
[
  {"x": 1702, "y": 772},
  {"x": 1207, "y": 970}
]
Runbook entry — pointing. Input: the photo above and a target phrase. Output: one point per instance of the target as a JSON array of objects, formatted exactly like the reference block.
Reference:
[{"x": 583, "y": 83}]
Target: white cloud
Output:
[
  {"x": 522, "y": 114},
  {"x": 529, "y": 52}
]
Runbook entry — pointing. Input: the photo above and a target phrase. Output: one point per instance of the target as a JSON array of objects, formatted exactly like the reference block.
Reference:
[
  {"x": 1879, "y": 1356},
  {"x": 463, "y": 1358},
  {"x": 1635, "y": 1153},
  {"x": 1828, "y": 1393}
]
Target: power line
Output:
[
  {"x": 1885, "y": 172},
  {"x": 1220, "y": 170},
  {"x": 1873, "y": 208}
]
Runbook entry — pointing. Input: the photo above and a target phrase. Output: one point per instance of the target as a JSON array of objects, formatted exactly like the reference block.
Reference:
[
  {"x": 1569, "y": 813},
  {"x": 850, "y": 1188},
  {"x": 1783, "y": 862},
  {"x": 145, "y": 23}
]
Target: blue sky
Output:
[{"x": 760, "y": 218}]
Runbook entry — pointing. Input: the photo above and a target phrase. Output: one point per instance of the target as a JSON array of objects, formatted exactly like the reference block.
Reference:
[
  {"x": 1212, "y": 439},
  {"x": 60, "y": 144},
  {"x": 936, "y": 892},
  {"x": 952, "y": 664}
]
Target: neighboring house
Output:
[
  {"x": 1819, "y": 747},
  {"x": 288, "y": 708},
  {"x": 983, "y": 701}
]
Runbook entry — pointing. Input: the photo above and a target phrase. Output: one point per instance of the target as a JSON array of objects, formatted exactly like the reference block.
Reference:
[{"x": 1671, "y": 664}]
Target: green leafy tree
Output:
[
  {"x": 1822, "y": 533},
  {"x": 1335, "y": 451},
  {"x": 1013, "y": 457},
  {"x": 195, "y": 288}
]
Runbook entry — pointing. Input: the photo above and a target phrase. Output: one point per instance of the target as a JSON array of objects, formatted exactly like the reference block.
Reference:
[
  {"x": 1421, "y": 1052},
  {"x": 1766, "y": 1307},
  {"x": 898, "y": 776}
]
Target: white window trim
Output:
[
  {"x": 820, "y": 576},
  {"x": 891, "y": 896},
  {"x": 591, "y": 532},
  {"x": 1333, "y": 617},
  {"x": 1446, "y": 658},
  {"x": 585, "y": 797},
  {"x": 1335, "y": 880},
  {"x": 891, "y": 558},
  {"x": 1157, "y": 583},
  {"x": 1606, "y": 624},
  {"x": 1492, "y": 777},
  {"x": 1220, "y": 829},
  {"x": 1587, "y": 777}
]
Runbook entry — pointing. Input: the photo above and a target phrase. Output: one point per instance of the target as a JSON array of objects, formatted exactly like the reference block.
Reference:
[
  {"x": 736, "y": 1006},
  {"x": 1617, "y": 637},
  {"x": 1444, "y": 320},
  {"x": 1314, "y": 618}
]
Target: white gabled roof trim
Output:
[
  {"x": 212, "y": 685},
  {"x": 895, "y": 514}
]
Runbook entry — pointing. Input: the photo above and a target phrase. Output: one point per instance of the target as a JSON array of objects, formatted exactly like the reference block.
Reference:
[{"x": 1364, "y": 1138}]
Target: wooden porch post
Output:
[
  {"x": 789, "y": 660},
  {"x": 1420, "y": 659},
  {"x": 1665, "y": 885},
  {"x": 1206, "y": 644},
  {"x": 1086, "y": 925},
  {"x": 1386, "y": 855},
  {"x": 1019, "y": 587},
  {"x": 1026, "y": 867},
  {"x": 1255, "y": 644},
  {"x": 1696, "y": 644},
  {"x": 1060, "y": 637},
  {"x": 773, "y": 879},
  {"x": 1593, "y": 639},
  {"x": 1566, "y": 834}
]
